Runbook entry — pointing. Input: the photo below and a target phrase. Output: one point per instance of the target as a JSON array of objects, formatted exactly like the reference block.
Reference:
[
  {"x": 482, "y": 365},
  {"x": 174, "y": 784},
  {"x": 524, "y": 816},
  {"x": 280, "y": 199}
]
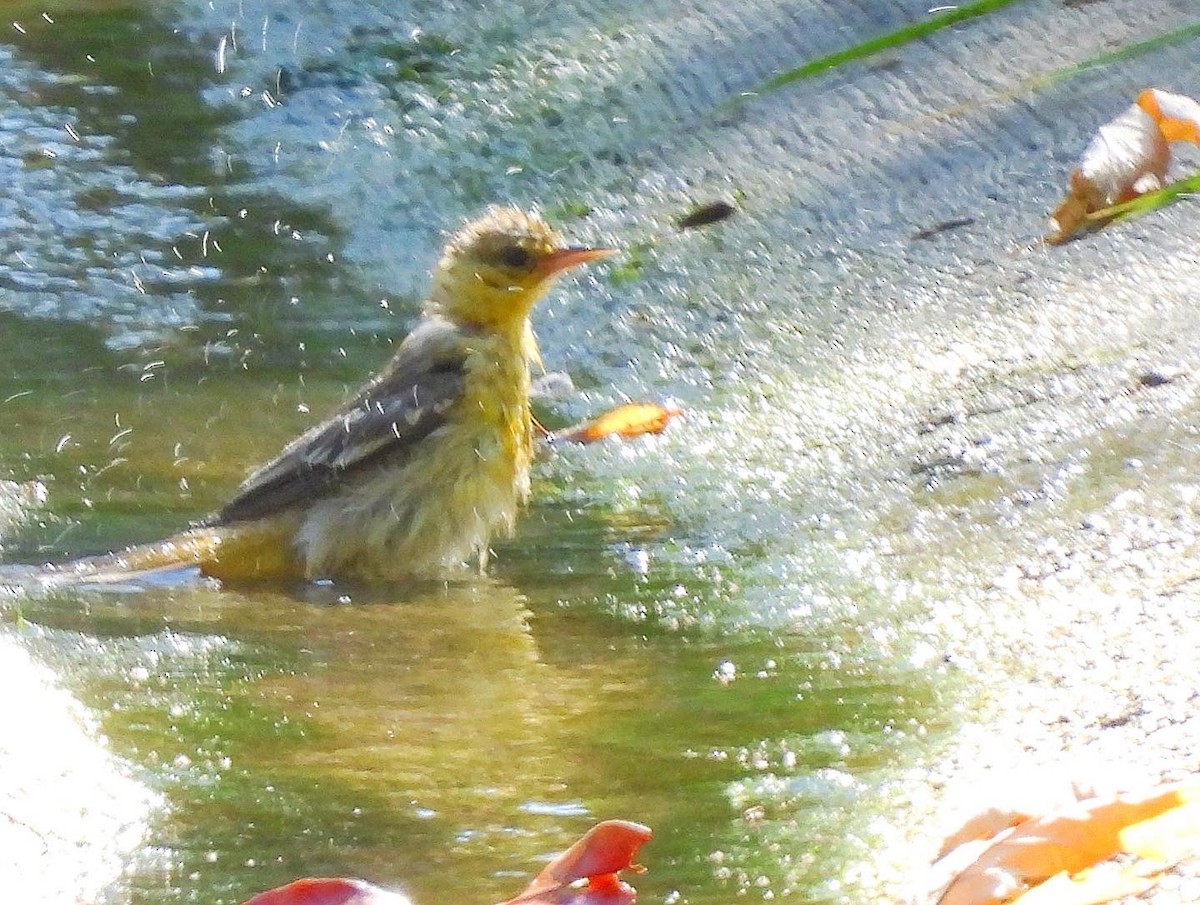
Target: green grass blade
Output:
[
  {"x": 1144, "y": 204},
  {"x": 883, "y": 42}
]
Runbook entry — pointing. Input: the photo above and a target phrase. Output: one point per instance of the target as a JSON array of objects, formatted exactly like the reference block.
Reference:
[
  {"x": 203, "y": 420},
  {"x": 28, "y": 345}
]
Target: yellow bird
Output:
[{"x": 411, "y": 477}]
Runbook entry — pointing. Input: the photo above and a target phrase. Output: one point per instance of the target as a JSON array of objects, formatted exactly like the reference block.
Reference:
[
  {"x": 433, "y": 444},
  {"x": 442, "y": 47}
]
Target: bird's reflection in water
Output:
[
  {"x": 430, "y": 705},
  {"x": 441, "y": 691},
  {"x": 405, "y": 734}
]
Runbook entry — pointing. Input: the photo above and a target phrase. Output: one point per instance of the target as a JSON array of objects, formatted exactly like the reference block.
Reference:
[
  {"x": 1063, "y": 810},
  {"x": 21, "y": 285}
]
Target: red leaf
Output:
[
  {"x": 328, "y": 891},
  {"x": 603, "y": 852}
]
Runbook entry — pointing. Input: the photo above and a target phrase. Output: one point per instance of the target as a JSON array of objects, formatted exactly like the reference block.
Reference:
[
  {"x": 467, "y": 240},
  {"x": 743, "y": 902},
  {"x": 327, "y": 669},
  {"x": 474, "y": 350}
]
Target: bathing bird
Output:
[{"x": 412, "y": 476}]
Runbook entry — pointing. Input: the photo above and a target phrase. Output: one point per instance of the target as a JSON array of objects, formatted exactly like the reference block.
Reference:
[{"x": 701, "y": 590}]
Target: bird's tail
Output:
[
  {"x": 194, "y": 549},
  {"x": 227, "y": 554}
]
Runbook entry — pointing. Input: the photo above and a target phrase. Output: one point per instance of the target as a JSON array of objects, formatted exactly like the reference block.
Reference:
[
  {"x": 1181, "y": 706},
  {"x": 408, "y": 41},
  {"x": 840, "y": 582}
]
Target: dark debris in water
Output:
[
  {"x": 930, "y": 232},
  {"x": 707, "y": 214},
  {"x": 1157, "y": 377}
]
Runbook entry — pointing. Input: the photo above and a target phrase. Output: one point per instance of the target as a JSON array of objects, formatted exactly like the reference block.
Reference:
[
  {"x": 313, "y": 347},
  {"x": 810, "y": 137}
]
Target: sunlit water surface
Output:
[
  {"x": 216, "y": 218},
  {"x": 446, "y": 740}
]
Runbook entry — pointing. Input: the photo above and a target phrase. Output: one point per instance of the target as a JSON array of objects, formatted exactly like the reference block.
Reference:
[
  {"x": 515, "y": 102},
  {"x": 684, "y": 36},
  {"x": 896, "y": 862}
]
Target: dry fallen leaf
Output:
[
  {"x": 1065, "y": 857},
  {"x": 984, "y": 825},
  {"x": 627, "y": 421},
  {"x": 1128, "y": 157}
]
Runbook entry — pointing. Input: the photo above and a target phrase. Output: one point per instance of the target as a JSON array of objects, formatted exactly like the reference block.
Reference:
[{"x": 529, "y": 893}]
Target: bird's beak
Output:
[{"x": 565, "y": 258}]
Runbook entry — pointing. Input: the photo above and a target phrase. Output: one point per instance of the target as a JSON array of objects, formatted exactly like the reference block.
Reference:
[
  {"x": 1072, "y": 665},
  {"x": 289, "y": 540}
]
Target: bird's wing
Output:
[{"x": 406, "y": 403}]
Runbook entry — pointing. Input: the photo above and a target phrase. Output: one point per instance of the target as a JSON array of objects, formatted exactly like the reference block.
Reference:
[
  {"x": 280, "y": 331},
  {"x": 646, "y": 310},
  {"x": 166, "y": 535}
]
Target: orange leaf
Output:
[
  {"x": 984, "y": 825},
  {"x": 1079, "y": 837},
  {"x": 630, "y": 420},
  {"x": 1177, "y": 115},
  {"x": 1091, "y": 887},
  {"x": 1168, "y": 836},
  {"x": 1127, "y": 157}
]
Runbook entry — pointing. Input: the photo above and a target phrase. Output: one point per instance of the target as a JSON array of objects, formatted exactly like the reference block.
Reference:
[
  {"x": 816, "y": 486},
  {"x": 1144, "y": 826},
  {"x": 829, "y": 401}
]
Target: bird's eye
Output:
[{"x": 516, "y": 257}]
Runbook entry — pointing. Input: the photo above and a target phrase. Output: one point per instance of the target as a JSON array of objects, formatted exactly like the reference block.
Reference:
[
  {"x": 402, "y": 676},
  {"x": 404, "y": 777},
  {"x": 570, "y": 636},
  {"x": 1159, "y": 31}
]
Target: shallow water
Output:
[
  {"x": 449, "y": 740},
  {"x": 446, "y": 740},
  {"x": 217, "y": 217}
]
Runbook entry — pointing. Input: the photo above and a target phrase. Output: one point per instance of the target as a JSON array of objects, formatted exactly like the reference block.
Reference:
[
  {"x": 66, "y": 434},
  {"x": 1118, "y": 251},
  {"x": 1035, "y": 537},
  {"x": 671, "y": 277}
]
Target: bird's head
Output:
[{"x": 496, "y": 268}]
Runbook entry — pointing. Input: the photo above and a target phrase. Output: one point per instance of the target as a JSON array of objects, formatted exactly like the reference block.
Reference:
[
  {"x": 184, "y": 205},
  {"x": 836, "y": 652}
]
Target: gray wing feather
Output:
[{"x": 399, "y": 408}]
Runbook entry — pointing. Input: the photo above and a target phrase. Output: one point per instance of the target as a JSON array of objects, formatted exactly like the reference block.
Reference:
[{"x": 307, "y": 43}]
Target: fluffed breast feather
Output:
[{"x": 407, "y": 402}]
